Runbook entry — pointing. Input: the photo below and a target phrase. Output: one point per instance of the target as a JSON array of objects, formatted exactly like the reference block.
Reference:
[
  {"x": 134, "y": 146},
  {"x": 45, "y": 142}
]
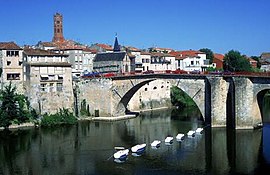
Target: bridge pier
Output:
[
  {"x": 247, "y": 111},
  {"x": 219, "y": 88}
]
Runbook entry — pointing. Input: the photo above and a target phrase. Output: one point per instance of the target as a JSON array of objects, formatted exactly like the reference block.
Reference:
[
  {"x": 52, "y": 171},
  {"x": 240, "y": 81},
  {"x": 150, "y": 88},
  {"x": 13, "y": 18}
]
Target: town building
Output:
[
  {"x": 160, "y": 50},
  {"x": 191, "y": 60},
  {"x": 146, "y": 61},
  {"x": 11, "y": 64},
  {"x": 135, "y": 52},
  {"x": 48, "y": 80},
  {"x": 218, "y": 60},
  {"x": 265, "y": 61},
  {"x": 102, "y": 47},
  {"x": 161, "y": 62},
  {"x": 114, "y": 62}
]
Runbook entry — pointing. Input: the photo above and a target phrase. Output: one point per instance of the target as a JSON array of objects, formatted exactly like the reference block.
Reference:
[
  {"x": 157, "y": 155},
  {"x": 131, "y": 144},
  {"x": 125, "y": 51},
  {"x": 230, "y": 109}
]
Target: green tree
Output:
[
  {"x": 180, "y": 98},
  {"x": 15, "y": 108},
  {"x": 209, "y": 54},
  {"x": 234, "y": 61},
  {"x": 9, "y": 107}
]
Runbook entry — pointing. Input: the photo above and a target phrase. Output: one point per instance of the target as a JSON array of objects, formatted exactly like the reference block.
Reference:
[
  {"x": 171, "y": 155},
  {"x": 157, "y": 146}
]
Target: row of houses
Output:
[{"x": 104, "y": 58}]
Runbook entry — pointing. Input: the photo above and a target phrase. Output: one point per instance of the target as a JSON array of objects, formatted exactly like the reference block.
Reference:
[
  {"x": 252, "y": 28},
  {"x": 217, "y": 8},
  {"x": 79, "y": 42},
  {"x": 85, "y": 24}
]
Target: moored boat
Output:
[
  {"x": 180, "y": 136},
  {"x": 138, "y": 148},
  {"x": 191, "y": 133},
  {"x": 169, "y": 139},
  {"x": 156, "y": 143},
  {"x": 121, "y": 154},
  {"x": 199, "y": 130}
]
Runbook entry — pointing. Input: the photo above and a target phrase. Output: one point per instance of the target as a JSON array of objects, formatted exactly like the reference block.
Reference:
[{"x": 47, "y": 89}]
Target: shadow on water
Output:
[{"x": 87, "y": 148}]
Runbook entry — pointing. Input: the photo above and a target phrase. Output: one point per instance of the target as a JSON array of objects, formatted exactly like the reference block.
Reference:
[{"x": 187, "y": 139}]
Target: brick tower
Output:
[{"x": 58, "y": 28}]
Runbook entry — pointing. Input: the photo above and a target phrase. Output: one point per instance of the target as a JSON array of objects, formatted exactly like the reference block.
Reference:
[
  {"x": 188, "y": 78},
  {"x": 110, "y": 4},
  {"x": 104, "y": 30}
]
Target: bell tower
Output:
[{"x": 58, "y": 28}]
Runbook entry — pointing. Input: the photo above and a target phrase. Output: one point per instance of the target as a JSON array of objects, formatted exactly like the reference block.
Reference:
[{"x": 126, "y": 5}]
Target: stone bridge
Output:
[{"x": 232, "y": 101}]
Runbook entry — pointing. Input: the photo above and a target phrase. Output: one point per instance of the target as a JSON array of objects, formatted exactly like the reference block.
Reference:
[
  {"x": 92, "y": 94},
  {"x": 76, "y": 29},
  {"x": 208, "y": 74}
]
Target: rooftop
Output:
[{"x": 9, "y": 46}]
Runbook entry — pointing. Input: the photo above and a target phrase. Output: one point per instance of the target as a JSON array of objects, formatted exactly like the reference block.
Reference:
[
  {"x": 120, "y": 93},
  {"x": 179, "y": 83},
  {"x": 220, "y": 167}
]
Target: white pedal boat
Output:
[
  {"x": 121, "y": 154},
  {"x": 169, "y": 139},
  {"x": 138, "y": 148},
  {"x": 180, "y": 137},
  {"x": 191, "y": 133},
  {"x": 156, "y": 143}
]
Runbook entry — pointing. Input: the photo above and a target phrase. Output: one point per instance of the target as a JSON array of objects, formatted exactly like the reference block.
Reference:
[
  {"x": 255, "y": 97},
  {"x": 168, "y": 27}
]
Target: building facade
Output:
[
  {"x": 48, "y": 80},
  {"x": 11, "y": 63}
]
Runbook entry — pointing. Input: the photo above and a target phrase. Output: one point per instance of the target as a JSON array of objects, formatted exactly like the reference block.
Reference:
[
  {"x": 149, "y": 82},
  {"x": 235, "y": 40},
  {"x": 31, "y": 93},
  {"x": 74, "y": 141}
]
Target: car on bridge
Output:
[
  {"x": 179, "y": 71},
  {"x": 148, "y": 72},
  {"x": 195, "y": 72}
]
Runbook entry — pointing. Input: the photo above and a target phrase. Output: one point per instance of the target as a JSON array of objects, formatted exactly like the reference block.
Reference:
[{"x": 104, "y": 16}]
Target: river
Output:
[{"x": 87, "y": 148}]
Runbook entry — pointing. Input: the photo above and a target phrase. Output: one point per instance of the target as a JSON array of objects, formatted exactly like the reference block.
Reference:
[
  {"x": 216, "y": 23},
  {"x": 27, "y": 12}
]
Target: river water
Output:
[{"x": 87, "y": 148}]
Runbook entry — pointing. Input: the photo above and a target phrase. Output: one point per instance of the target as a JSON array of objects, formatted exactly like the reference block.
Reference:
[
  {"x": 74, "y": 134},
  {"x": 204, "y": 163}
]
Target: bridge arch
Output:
[
  {"x": 260, "y": 100},
  {"x": 193, "y": 88},
  {"x": 123, "y": 103}
]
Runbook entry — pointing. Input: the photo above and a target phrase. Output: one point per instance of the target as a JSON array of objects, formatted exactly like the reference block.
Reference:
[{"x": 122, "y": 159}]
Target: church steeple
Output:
[{"x": 116, "y": 47}]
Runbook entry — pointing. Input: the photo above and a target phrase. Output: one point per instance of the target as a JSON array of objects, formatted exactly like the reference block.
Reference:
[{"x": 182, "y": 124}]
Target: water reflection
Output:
[{"x": 88, "y": 148}]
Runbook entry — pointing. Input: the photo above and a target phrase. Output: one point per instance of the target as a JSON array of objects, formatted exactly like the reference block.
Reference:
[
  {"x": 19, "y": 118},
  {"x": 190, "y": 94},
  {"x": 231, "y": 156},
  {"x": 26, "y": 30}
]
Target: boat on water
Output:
[
  {"x": 138, "y": 148},
  {"x": 169, "y": 139},
  {"x": 199, "y": 130},
  {"x": 156, "y": 143},
  {"x": 191, "y": 133},
  {"x": 121, "y": 154},
  {"x": 180, "y": 137}
]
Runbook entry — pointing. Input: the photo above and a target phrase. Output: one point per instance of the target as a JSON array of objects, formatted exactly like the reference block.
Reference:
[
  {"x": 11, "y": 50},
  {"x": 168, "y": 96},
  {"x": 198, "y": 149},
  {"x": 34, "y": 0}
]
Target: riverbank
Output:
[
  {"x": 20, "y": 126},
  {"x": 125, "y": 117}
]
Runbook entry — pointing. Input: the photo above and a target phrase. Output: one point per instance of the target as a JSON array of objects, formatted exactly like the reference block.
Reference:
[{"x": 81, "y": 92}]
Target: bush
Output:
[
  {"x": 62, "y": 117},
  {"x": 180, "y": 98}
]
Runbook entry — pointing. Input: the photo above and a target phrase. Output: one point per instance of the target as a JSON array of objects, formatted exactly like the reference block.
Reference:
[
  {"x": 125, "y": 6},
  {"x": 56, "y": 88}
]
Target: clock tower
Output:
[{"x": 58, "y": 28}]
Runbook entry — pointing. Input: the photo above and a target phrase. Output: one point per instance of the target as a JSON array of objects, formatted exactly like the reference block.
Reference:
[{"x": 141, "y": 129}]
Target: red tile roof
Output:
[
  {"x": 185, "y": 54},
  {"x": 105, "y": 46},
  {"x": 134, "y": 49},
  {"x": 87, "y": 49},
  {"x": 40, "y": 52},
  {"x": 219, "y": 56},
  {"x": 9, "y": 46},
  {"x": 145, "y": 53}
]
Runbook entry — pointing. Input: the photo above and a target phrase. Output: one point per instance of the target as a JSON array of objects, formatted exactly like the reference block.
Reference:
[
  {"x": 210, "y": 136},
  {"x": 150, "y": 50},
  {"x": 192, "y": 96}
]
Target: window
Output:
[
  {"x": 11, "y": 53},
  {"x": 51, "y": 77},
  {"x": 43, "y": 87},
  {"x": 192, "y": 62},
  {"x": 13, "y": 76},
  {"x": 59, "y": 87},
  {"x": 60, "y": 77},
  {"x": 20, "y": 63},
  {"x": 143, "y": 60},
  {"x": 44, "y": 77},
  {"x": 8, "y": 63},
  {"x": 51, "y": 87}
]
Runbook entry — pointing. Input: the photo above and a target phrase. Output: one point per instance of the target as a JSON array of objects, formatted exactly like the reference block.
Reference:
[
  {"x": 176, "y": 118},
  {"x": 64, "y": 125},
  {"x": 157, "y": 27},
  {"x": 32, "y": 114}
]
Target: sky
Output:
[{"x": 220, "y": 25}]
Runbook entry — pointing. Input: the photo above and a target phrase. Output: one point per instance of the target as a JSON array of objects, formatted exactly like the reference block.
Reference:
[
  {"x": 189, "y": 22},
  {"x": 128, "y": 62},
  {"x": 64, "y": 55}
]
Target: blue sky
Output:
[{"x": 220, "y": 25}]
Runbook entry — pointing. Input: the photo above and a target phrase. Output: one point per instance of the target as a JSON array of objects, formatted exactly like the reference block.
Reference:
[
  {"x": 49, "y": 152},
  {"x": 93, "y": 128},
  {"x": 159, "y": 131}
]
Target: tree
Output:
[
  {"x": 180, "y": 98},
  {"x": 234, "y": 61},
  {"x": 15, "y": 108},
  {"x": 209, "y": 54}
]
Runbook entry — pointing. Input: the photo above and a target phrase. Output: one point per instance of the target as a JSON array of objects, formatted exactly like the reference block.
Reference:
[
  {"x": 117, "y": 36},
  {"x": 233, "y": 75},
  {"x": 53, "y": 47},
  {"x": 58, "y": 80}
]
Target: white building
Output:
[
  {"x": 162, "y": 62},
  {"x": 191, "y": 60}
]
